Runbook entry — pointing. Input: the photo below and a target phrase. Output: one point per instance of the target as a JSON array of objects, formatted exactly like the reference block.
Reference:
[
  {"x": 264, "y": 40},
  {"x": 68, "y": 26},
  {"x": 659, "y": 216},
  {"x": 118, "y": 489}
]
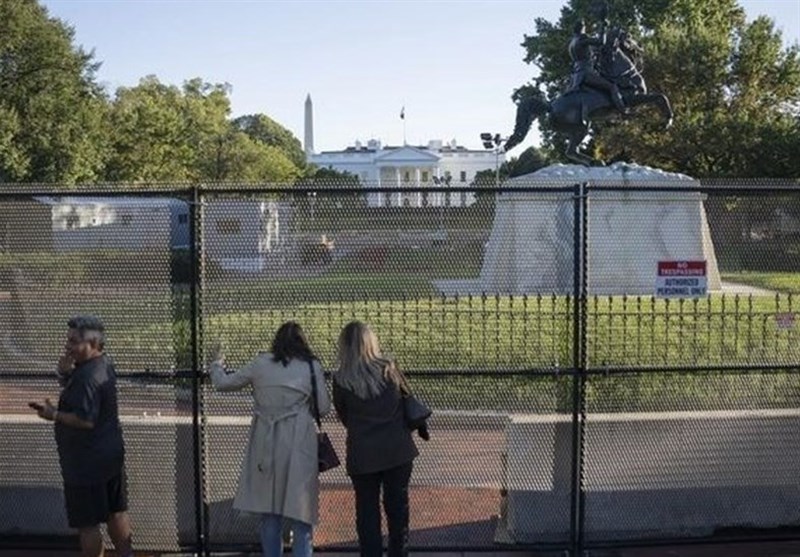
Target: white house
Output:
[
  {"x": 437, "y": 165},
  {"x": 434, "y": 165}
]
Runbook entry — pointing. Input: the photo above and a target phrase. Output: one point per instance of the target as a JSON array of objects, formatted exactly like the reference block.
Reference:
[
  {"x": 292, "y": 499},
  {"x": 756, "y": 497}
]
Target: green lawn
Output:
[
  {"x": 786, "y": 283},
  {"x": 429, "y": 331},
  {"x": 479, "y": 338}
]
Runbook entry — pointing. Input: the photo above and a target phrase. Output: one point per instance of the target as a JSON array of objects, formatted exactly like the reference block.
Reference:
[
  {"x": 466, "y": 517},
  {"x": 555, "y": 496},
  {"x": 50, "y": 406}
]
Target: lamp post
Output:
[
  {"x": 312, "y": 200},
  {"x": 444, "y": 182},
  {"x": 494, "y": 142}
]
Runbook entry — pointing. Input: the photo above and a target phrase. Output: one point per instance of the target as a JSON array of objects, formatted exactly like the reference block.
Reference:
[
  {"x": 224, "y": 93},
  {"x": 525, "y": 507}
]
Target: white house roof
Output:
[{"x": 406, "y": 154}]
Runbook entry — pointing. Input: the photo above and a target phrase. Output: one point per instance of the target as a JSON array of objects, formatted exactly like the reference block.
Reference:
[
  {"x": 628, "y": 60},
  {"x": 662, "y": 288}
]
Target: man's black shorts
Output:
[{"x": 90, "y": 505}]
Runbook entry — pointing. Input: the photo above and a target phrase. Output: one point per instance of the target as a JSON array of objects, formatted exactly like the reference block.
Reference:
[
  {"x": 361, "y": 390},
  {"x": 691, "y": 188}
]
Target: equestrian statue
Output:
[{"x": 605, "y": 84}]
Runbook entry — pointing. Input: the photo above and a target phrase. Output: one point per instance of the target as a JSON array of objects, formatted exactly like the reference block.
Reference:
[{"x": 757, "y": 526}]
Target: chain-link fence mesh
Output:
[
  {"x": 751, "y": 246},
  {"x": 690, "y": 455},
  {"x": 695, "y": 453},
  {"x": 111, "y": 257},
  {"x": 413, "y": 273},
  {"x": 474, "y": 292}
]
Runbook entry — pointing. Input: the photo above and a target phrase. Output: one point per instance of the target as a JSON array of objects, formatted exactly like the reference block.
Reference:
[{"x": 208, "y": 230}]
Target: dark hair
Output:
[
  {"x": 579, "y": 25},
  {"x": 290, "y": 342},
  {"x": 89, "y": 324}
]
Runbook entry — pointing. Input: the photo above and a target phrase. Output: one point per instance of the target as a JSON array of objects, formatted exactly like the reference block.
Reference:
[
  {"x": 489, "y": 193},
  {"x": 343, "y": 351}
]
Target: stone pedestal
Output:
[{"x": 531, "y": 248}]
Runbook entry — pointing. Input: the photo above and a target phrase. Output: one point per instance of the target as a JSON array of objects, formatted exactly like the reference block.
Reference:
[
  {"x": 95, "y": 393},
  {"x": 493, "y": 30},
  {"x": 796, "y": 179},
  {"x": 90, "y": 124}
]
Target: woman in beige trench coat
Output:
[{"x": 279, "y": 478}]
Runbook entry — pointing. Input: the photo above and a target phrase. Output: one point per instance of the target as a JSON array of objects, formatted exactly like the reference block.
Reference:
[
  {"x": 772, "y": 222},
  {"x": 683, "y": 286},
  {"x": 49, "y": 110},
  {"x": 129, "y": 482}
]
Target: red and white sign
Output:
[{"x": 681, "y": 279}]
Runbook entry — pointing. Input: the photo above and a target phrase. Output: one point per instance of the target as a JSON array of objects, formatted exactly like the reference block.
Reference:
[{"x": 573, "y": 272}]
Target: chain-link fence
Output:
[{"x": 574, "y": 403}]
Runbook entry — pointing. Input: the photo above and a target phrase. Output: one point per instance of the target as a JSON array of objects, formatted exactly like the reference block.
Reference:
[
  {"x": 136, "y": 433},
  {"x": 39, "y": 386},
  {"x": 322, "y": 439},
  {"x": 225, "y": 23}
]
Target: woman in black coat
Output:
[{"x": 368, "y": 396}]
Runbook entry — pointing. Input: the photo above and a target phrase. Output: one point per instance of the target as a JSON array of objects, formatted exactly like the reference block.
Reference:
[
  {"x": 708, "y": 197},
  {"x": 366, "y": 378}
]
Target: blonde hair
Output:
[{"x": 361, "y": 367}]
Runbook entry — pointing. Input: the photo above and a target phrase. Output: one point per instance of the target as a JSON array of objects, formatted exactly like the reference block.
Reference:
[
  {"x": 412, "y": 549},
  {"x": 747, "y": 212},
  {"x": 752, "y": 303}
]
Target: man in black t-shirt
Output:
[{"x": 89, "y": 439}]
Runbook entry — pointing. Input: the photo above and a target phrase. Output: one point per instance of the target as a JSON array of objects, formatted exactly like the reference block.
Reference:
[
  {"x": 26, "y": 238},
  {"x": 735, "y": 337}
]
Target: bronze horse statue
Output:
[{"x": 572, "y": 112}]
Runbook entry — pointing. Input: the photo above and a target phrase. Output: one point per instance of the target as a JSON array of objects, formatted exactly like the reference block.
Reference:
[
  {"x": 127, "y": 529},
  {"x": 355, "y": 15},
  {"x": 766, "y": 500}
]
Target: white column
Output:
[
  {"x": 379, "y": 195},
  {"x": 439, "y": 194},
  {"x": 417, "y": 173},
  {"x": 398, "y": 196}
]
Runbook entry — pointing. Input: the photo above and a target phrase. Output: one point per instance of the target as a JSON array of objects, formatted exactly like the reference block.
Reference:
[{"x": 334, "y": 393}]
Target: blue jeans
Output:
[{"x": 271, "y": 539}]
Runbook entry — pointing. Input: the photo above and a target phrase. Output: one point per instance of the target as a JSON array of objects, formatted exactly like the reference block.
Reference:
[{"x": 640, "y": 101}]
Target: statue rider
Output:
[{"x": 583, "y": 70}]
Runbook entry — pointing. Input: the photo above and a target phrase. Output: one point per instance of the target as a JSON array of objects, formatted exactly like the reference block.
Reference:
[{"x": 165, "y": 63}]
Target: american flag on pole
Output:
[{"x": 403, "y": 113}]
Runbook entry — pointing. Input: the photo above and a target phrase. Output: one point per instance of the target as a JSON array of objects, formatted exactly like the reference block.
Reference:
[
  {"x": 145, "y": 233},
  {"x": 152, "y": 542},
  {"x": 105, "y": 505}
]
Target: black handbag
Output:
[
  {"x": 416, "y": 412},
  {"x": 326, "y": 454}
]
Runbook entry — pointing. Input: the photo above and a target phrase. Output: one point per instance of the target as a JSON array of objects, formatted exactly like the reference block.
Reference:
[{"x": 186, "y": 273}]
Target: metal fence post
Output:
[
  {"x": 584, "y": 361},
  {"x": 195, "y": 324},
  {"x": 580, "y": 239}
]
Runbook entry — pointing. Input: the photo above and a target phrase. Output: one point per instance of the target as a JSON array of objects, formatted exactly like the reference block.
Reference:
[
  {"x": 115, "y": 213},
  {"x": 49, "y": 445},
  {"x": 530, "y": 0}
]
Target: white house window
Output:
[
  {"x": 406, "y": 176},
  {"x": 463, "y": 175},
  {"x": 424, "y": 175}
]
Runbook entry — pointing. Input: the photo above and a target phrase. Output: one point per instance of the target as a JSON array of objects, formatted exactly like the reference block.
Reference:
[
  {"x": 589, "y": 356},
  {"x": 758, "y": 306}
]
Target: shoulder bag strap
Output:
[{"x": 314, "y": 395}]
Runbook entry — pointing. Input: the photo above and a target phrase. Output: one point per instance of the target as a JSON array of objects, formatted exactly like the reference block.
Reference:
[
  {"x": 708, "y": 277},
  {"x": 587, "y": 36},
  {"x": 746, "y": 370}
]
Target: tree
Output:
[
  {"x": 153, "y": 140},
  {"x": 264, "y": 129},
  {"x": 239, "y": 158},
  {"x": 52, "y": 112},
  {"x": 329, "y": 177},
  {"x": 736, "y": 92},
  {"x": 530, "y": 160},
  {"x": 167, "y": 133}
]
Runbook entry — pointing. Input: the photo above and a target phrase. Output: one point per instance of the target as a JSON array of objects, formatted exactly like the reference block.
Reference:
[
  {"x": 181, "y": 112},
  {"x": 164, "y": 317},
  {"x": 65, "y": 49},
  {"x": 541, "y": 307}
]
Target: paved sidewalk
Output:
[{"x": 747, "y": 549}]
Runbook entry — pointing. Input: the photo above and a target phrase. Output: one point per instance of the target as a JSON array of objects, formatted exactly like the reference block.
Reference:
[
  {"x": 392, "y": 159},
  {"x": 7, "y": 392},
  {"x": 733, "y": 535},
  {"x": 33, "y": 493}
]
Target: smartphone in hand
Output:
[{"x": 36, "y": 406}]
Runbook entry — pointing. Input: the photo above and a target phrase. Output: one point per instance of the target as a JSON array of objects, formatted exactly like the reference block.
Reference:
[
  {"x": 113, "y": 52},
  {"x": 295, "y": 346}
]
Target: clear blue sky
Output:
[{"x": 452, "y": 64}]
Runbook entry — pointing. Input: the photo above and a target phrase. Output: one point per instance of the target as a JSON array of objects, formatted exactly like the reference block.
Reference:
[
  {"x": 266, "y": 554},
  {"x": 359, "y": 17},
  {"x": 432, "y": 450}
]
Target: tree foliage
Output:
[
  {"x": 167, "y": 133},
  {"x": 530, "y": 160},
  {"x": 263, "y": 129},
  {"x": 58, "y": 125},
  {"x": 152, "y": 136},
  {"x": 52, "y": 112},
  {"x": 734, "y": 87},
  {"x": 330, "y": 177},
  {"x": 242, "y": 159}
]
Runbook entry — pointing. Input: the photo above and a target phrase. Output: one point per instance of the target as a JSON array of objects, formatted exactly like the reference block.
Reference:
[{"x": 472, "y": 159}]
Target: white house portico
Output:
[{"x": 403, "y": 167}]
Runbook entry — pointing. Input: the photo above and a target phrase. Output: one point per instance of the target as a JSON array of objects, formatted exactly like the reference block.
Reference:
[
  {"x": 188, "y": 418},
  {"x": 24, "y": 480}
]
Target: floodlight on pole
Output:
[{"x": 494, "y": 142}]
